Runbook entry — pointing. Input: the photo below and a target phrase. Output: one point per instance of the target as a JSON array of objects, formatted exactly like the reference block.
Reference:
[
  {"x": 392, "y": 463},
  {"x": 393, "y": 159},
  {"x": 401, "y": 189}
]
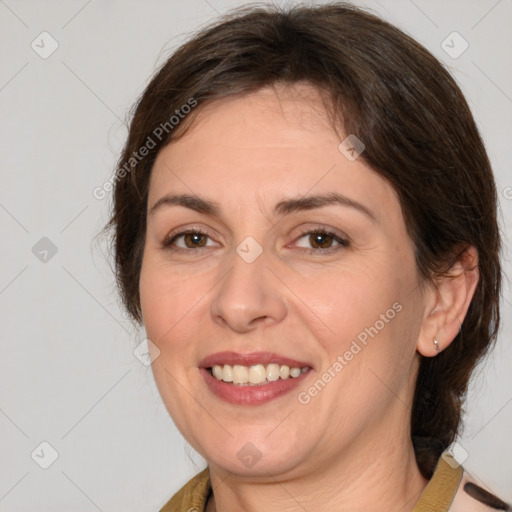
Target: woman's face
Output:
[{"x": 251, "y": 285}]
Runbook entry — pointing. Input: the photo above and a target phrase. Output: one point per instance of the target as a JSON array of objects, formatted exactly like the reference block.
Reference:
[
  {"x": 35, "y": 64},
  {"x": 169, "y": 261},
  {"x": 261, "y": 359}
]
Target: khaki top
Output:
[{"x": 444, "y": 492}]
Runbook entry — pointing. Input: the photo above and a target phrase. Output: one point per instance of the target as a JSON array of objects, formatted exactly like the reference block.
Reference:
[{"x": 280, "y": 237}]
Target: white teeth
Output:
[
  {"x": 217, "y": 372},
  {"x": 272, "y": 372},
  {"x": 256, "y": 374},
  {"x": 294, "y": 372},
  {"x": 284, "y": 371},
  {"x": 227, "y": 373},
  {"x": 240, "y": 374}
]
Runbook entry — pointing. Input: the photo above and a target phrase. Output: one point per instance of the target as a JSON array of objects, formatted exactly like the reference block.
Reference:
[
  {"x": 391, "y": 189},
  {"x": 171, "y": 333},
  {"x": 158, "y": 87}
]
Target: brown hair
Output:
[{"x": 419, "y": 134}]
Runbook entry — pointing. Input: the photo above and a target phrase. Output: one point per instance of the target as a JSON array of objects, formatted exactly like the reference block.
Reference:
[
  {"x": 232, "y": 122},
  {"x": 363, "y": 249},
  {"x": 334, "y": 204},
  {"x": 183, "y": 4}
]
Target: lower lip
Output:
[{"x": 251, "y": 395}]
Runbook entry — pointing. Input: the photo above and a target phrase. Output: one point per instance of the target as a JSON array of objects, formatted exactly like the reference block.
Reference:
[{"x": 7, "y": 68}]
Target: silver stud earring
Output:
[{"x": 436, "y": 345}]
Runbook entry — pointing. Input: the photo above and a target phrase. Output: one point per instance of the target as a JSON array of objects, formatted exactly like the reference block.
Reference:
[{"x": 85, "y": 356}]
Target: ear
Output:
[{"x": 447, "y": 303}]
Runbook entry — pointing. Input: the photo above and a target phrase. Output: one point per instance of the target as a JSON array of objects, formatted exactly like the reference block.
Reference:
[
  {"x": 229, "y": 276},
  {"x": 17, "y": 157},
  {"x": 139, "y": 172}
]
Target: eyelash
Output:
[{"x": 343, "y": 243}]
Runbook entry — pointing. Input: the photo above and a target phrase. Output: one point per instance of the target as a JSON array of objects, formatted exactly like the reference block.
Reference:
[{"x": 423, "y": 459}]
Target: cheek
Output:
[
  {"x": 347, "y": 300},
  {"x": 167, "y": 298},
  {"x": 370, "y": 342},
  {"x": 169, "y": 301}
]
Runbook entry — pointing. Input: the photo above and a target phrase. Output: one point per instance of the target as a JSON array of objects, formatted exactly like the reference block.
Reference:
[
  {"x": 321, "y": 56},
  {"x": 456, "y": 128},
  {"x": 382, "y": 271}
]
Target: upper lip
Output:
[{"x": 249, "y": 359}]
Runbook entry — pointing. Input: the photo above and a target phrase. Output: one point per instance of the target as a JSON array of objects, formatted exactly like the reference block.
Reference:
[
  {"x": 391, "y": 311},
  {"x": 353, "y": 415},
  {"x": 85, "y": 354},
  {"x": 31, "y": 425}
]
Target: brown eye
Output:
[
  {"x": 320, "y": 240},
  {"x": 193, "y": 240}
]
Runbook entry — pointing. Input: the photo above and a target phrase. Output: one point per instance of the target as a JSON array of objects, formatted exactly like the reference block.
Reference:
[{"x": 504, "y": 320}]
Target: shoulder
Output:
[
  {"x": 454, "y": 489},
  {"x": 192, "y": 496},
  {"x": 473, "y": 496}
]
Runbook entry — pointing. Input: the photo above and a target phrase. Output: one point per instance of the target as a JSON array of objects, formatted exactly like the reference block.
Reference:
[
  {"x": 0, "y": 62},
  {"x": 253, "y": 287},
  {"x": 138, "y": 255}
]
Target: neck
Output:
[{"x": 378, "y": 472}]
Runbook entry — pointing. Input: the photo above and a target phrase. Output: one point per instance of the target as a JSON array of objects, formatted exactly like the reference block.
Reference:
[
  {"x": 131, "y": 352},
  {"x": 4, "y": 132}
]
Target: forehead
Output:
[
  {"x": 270, "y": 144},
  {"x": 252, "y": 132},
  {"x": 271, "y": 116}
]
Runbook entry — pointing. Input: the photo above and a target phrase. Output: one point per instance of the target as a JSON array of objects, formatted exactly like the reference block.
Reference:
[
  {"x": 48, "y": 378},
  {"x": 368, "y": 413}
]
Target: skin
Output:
[{"x": 349, "y": 448}]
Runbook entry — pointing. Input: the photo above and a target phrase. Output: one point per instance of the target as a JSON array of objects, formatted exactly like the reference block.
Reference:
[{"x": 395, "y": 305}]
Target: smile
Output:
[
  {"x": 252, "y": 379},
  {"x": 255, "y": 375}
]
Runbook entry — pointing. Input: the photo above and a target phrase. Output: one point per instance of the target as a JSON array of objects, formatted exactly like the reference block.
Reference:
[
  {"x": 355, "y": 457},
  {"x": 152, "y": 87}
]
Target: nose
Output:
[{"x": 248, "y": 296}]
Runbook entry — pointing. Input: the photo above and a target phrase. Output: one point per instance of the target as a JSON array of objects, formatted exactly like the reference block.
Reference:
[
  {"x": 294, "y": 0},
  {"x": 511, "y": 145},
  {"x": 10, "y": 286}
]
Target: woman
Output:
[{"x": 305, "y": 224}]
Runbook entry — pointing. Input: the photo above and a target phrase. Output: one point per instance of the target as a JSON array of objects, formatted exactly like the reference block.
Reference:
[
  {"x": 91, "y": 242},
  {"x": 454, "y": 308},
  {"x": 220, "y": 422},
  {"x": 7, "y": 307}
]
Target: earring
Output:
[{"x": 436, "y": 345}]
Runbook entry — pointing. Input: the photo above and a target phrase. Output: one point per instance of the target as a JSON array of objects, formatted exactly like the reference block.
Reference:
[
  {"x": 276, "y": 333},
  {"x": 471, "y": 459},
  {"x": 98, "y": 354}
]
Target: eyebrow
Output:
[{"x": 284, "y": 207}]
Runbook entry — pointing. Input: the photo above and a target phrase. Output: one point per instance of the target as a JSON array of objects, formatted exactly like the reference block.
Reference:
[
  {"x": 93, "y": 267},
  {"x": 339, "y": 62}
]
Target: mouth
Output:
[
  {"x": 255, "y": 375},
  {"x": 252, "y": 379}
]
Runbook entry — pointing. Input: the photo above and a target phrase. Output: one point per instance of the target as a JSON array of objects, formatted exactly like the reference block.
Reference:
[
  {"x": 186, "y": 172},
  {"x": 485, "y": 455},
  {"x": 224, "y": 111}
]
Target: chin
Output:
[{"x": 255, "y": 454}]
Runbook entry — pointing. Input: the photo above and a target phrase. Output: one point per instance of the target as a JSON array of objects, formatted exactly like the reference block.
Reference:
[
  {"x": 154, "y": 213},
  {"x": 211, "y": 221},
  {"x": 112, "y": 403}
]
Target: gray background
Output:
[{"x": 68, "y": 375}]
